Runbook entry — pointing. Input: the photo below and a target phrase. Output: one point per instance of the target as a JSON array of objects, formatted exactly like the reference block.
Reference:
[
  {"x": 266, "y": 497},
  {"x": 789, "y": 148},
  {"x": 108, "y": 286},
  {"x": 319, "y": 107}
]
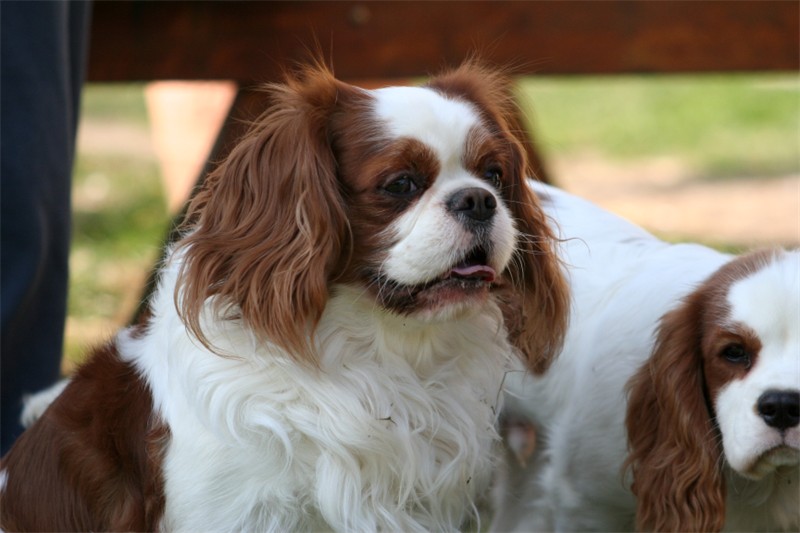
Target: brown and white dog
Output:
[
  {"x": 700, "y": 405},
  {"x": 327, "y": 345}
]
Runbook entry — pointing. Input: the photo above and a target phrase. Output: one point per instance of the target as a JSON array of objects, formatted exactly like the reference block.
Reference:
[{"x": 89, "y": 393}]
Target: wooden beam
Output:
[{"x": 254, "y": 41}]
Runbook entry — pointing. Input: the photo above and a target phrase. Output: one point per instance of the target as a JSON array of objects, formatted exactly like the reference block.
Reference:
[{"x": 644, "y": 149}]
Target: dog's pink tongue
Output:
[{"x": 483, "y": 272}]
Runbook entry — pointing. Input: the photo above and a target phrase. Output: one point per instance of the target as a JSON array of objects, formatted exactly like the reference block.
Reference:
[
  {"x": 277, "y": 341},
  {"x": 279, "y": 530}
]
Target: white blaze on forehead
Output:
[
  {"x": 425, "y": 115},
  {"x": 768, "y": 300}
]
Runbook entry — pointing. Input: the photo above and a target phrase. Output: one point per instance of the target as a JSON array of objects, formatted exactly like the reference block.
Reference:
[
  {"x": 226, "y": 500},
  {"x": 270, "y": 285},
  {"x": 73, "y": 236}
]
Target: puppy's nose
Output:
[
  {"x": 780, "y": 409},
  {"x": 473, "y": 203}
]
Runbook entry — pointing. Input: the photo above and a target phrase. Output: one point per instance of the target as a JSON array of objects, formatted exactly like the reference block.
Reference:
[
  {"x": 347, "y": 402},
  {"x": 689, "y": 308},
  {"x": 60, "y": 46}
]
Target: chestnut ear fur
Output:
[
  {"x": 675, "y": 449},
  {"x": 269, "y": 225},
  {"x": 536, "y": 303}
]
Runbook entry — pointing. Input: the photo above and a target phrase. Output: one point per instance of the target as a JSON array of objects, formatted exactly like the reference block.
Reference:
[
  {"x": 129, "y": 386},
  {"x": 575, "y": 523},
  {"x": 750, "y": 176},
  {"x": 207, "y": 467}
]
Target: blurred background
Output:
[{"x": 709, "y": 158}]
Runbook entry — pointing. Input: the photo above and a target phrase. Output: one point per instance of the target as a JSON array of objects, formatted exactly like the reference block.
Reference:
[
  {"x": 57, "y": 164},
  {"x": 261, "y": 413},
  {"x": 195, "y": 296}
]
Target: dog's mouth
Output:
[
  {"x": 474, "y": 267},
  {"x": 466, "y": 283},
  {"x": 778, "y": 457}
]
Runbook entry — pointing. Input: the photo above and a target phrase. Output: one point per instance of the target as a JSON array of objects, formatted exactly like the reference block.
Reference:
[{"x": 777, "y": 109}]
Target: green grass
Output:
[
  {"x": 724, "y": 127},
  {"x": 127, "y": 222},
  {"x": 118, "y": 102}
]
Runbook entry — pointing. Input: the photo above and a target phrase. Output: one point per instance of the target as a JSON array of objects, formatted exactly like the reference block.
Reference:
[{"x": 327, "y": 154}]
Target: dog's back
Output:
[
  {"x": 623, "y": 279},
  {"x": 83, "y": 465}
]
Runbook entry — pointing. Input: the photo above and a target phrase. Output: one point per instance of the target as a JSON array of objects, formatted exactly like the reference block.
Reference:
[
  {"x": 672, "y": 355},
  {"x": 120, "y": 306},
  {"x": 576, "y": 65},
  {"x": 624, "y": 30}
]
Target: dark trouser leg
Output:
[{"x": 43, "y": 57}]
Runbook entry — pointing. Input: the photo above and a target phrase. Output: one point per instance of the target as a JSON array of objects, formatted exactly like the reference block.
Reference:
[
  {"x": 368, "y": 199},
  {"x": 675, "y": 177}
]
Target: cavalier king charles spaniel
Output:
[
  {"x": 327, "y": 345},
  {"x": 674, "y": 403}
]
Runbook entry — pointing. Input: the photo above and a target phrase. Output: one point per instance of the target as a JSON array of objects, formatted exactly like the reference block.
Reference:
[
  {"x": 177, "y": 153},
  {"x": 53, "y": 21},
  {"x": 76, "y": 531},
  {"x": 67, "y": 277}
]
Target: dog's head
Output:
[
  {"x": 417, "y": 196},
  {"x": 721, "y": 390}
]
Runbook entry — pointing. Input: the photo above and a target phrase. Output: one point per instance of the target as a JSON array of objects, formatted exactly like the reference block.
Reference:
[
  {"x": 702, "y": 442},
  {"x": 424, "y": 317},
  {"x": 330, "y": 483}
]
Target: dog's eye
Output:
[
  {"x": 737, "y": 354},
  {"x": 493, "y": 175},
  {"x": 402, "y": 185}
]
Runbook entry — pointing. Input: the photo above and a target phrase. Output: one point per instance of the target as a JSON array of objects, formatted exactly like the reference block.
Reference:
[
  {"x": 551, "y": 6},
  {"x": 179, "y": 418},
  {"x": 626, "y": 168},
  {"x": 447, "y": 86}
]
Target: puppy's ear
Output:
[
  {"x": 674, "y": 446},
  {"x": 536, "y": 304},
  {"x": 269, "y": 225}
]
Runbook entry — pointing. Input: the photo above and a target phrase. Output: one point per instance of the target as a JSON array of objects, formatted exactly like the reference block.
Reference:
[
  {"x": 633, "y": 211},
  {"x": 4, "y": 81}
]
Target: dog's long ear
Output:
[
  {"x": 269, "y": 225},
  {"x": 538, "y": 297},
  {"x": 674, "y": 444}
]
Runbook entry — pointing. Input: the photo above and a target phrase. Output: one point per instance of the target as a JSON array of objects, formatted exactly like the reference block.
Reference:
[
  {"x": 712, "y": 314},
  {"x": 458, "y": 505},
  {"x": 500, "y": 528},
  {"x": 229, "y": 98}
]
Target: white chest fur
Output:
[{"x": 394, "y": 431}]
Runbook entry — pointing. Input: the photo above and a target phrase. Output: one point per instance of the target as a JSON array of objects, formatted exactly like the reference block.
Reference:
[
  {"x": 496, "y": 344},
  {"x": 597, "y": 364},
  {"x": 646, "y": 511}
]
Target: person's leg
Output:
[{"x": 42, "y": 57}]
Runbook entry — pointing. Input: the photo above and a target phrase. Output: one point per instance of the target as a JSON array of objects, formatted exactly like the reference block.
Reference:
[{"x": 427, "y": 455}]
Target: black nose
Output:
[
  {"x": 474, "y": 203},
  {"x": 780, "y": 409}
]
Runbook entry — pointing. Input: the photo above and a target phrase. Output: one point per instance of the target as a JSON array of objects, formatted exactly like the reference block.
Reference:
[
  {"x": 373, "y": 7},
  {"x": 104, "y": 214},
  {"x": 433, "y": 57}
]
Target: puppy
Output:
[
  {"x": 326, "y": 346},
  {"x": 683, "y": 423}
]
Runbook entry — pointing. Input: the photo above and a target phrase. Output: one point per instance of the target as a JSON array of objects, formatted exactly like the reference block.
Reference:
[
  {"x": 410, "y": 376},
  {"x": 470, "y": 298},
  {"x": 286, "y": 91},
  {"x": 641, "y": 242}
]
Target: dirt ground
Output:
[{"x": 659, "y": 195}]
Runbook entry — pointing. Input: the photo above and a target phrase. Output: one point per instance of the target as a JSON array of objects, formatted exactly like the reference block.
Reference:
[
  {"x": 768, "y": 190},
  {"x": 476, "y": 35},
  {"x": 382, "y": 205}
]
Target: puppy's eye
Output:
[
  {"x": 493, "y": 175},
  {"x": 402, "y": 185},
  {"x": 737, "y": 354}
]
